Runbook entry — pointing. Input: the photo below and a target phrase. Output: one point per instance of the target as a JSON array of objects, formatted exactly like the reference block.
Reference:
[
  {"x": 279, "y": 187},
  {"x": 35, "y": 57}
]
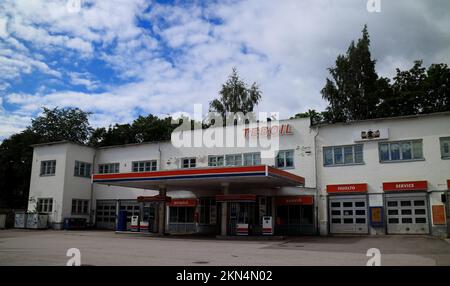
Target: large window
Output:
[
  {"x": 401, "y": 151},
  {"x": 80, "y": 206},
  {"x": 188, "y": 163},
  {"x": 285, "y": 159},
  {"x": 144, "y": 166},
  {"x": 343, "y": 155},
  {"x": 215, "y": 161},
  {"x": 48, "y": 168},
  {"x": 108, "y": 168},
  {"x": 82, "y": 169},
  {"x": 233, "y": 160},
  {"x": 251, "y": 159},
  {"x": 181, "y": 214},
  {"x": 445, "y": 147},
  {"x": 45, "y": 205},
  {"x": 207, "y": 211}
]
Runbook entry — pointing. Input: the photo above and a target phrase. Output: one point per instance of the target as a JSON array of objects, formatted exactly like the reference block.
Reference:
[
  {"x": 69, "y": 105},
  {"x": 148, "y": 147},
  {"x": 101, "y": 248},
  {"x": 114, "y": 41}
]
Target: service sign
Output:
[
  {"x": 347, "y": 188},
  {"x": 406, "y": 186}
]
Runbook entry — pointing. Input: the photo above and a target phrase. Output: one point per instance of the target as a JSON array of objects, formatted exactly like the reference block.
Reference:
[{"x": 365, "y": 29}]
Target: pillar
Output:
[
  {"x": 162, "y": 211},
  {"x": 224, "y": 215}
]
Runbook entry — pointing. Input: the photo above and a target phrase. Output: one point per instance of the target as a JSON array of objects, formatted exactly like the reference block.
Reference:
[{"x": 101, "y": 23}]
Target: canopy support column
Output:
[
  {"x": 162, "y": 211},
  {"x": 224, "y": 212}
]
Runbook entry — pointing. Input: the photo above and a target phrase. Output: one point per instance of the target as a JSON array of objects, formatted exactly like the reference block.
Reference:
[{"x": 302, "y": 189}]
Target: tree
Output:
[
  {"x": 353, "y": 93},
  {"x": 315, "y": 117},
  {"x": 57, "y": 124},
  {"x": 236, "y": 96}
]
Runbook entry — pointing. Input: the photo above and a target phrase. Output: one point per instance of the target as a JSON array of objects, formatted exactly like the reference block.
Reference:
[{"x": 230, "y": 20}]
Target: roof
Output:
[
  {"x": 59, "y": 143},
  {"x": 444, "y": 113}
]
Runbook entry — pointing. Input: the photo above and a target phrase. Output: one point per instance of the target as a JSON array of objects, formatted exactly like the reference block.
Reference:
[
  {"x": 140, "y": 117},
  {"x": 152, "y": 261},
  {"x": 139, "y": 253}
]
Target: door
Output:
[
  {"x": 232, "y": 218},
  {"x": 106, "y": 214},
  {"x": 348, "y": 214},
  {"x": 149, "y": 215},
  {"x": 407, "y": 213}
]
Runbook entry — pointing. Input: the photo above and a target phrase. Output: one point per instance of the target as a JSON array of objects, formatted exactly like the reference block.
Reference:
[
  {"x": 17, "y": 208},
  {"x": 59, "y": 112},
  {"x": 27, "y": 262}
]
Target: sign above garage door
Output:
[
  {"x": 406, "y": 186},
  {"x": 347, "y": 188}
]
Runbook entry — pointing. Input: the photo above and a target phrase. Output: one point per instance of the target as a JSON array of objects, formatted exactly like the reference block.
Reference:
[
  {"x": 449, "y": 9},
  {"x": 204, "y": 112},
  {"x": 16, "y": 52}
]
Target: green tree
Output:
[
  {"x": 62, "y": 124},
  {"x": 236, "y": 96},
  {"x": 315, "y": 117},
  {"x": 353, "y": 92}
]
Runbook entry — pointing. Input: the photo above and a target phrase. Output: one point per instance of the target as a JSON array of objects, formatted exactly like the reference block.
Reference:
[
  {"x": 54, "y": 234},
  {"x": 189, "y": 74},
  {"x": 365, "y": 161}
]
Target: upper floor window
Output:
[
  {"x": 144, "y": 166},
  {"x": 48, "y": 168},
  {"x": 285, "y": 159},
  {"x": 45, "y": 205},
  {"x": 108, "y": 168},
  {"x": 401, "y": 151},
  {"x": 215, "y": 161},
  {"x": 343, "y": 155},
  {"x": 251, "y": 159},
  {"x": 80, "y": 206},
  {"x": 445, "y": 147},
  {"x": 233, "y": 160},
  {"x": 82, "y": 169},
  {"x": 189, "y": 163}
]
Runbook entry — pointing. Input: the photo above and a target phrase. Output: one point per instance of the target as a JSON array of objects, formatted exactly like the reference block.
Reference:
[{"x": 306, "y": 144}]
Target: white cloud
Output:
[{"x": 180, "y": 55}]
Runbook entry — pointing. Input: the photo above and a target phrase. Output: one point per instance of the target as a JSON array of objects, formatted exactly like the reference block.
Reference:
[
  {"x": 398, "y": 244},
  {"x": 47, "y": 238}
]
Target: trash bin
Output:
[
  {"x": 20, "y": 219},
  {"x": 122, "y": 221},
  {"x": 2, "y": 220}
]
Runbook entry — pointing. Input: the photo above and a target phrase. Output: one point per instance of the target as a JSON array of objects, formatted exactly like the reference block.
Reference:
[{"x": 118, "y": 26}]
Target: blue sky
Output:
[{"x": 121, "y": 58}]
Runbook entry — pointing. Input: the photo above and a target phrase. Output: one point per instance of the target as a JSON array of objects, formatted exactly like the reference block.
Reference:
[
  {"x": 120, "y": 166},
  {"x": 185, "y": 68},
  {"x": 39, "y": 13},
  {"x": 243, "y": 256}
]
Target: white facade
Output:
[{"x": 306, "y": 142}]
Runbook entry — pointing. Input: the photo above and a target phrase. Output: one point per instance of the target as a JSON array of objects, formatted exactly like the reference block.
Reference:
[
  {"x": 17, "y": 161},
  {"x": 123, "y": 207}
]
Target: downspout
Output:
[
  {"x": 317, "y": 179},
  {"x": 160, "y": 156},
  {"x": 91, "y": 213}
]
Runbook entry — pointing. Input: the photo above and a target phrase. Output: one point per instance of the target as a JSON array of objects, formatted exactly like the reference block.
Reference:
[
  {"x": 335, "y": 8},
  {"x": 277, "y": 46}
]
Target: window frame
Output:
[
  {"x": 190, "y": 165},
  {"x": 86, "y": 173},
  {"x": 400, "y": 151},
  {"x": 342, "y": 153},
  {"x": 101, "y": 168},
  {"x": 216, "y": 157},
  {"x": 44, "y": 205},
  {"x": 45, "y": 168},
  {"x": 80, "y": 203},
  {"x": 285, "y": 152},
  {"x": 153, "y": 164},
  {"x": 441, "y": 141}
]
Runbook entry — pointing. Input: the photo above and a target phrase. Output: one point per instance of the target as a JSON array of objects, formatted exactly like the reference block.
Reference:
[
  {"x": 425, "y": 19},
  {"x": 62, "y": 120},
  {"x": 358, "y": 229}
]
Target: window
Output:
[
  {"x": 189, "y": 163},
  {"x": 48, "y": 168},
  {"x": 181, "y": 214},
  {"x": 108, "y": 168},
  {"x": 343, "y": 155},
  {"x": 144, "y": 166},
  {"x": 82, "y": 169},
  {"x": 401, "y": 151},
  {"x": 251, "y": 159},
  {"x": 445, "y": 148},
  {"x": 215, "y": 161},
  {"x": 80, "y": 206},
  {"x": 285, "y": 159},
  {"x": 233, "y": 160},
  {"x": 45, "y": 205}
]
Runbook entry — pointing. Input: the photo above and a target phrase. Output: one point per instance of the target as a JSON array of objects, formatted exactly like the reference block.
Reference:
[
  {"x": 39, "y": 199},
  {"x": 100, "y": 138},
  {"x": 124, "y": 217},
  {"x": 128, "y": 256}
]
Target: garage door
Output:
[
  {"x": 348, "y": 214},
  {"x": 407, "y": 213},
  {"x": 106, "y": 214}
]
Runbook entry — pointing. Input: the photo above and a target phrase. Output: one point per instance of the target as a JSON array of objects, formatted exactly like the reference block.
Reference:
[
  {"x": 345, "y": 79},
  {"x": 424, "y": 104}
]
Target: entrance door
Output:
[
  {"x": 407, "y": 213},
  {"x": 149, "y": 215},
  {"x": 348, "y": 214},
  {"x": 106, "y": 214},
  {"x": 232, "y": 218}
]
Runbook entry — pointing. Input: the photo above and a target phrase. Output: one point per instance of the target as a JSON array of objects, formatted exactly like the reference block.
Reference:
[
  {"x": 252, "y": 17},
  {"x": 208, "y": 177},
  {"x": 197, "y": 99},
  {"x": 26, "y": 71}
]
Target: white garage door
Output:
[
  {"x": 348, "y": 214},
  {"x": 407, "y": 213},
  {"x": 106, "y": 214}
]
